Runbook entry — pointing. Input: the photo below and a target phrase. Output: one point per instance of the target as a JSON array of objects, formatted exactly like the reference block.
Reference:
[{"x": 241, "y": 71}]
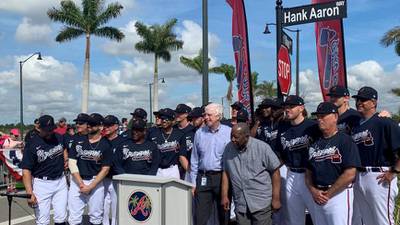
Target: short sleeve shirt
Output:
[{"x": 329, "y": 157}]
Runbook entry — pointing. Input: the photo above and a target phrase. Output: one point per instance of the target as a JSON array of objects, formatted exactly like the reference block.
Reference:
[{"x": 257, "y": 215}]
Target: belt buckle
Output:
[{"x": 44, "y": 178}]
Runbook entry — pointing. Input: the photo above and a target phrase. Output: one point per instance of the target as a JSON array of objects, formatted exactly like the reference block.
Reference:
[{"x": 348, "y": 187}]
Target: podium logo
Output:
[{"x": 140, "y": 206}]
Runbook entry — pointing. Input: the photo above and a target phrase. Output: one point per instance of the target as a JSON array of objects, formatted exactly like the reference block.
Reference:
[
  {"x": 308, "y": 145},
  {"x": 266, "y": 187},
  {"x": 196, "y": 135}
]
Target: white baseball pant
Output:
[
  {"x": 77, "y": 202},
  {"x": 110, "y": 202},
  {"x": 280, "y": 217},
  {"x": 171, "y": 172},
  {"x": 50, "y": 192},
  {"x": 375, "y": 201},
  {"x": 299, "y": 199},
  {"x": 337, "y": 211}
]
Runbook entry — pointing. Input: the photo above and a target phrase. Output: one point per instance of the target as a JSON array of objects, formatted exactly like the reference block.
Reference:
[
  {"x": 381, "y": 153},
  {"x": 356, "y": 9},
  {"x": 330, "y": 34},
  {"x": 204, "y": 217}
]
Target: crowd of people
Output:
[{"x": 340, "y": 165}]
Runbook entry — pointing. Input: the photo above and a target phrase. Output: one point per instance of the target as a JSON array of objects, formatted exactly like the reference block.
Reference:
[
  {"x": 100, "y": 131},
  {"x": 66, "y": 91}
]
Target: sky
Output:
[{"x": 120, "y": 75}]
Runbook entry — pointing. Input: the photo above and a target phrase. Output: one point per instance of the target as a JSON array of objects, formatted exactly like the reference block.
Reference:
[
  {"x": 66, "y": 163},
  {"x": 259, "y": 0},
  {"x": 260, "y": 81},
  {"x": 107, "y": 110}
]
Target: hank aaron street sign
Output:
[
  {"x": 284, "y": 70},
  {"x": 314, "y": 13}
]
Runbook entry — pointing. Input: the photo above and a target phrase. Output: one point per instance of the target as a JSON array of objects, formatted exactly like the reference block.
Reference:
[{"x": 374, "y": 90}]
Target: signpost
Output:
[
  {"x": 287, "y": 41},
  {"x": 284, "y": 70}
]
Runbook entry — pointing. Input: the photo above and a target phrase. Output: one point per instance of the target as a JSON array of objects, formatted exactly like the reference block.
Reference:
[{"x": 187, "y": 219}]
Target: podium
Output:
[{"x": 152, "y": 200}]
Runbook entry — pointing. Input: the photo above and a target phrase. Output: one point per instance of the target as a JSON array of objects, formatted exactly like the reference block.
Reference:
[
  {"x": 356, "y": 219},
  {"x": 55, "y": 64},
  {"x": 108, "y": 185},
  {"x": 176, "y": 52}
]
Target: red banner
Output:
[
  {"x": 330, "y": 53},
  {"x": 241, "y": 51}
]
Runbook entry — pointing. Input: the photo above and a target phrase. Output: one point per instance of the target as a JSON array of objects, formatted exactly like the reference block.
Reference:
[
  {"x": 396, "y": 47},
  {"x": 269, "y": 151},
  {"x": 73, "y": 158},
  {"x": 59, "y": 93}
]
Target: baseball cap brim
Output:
[{"x": 361, "y": 97}]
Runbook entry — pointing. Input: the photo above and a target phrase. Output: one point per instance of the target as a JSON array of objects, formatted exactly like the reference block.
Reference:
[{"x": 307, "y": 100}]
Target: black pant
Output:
[{"x": 205, "y": 197}]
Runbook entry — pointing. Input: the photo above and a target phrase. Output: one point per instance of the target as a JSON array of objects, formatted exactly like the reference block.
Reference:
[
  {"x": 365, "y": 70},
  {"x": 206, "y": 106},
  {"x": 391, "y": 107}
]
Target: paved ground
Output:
[{"x": 21, "y": 213}]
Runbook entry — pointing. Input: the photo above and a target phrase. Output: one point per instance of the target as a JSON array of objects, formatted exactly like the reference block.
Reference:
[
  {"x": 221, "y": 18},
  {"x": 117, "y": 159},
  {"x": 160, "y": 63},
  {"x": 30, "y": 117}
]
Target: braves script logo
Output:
[
  {"x": 242, "y": 74},
  {"x": 365, "y": 137},
  {"x": 331, "y": 153},
  {"x": 296, "y": 143},
  {"x": 329, "y": 41},
  {"x": 139, "y": 206},
  {"x": 52, "y": 153}
]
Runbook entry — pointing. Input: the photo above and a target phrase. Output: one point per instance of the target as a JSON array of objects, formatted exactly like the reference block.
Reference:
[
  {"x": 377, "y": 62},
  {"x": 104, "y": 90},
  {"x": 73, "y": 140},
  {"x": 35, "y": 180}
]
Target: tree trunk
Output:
[
  {"x": 86, "y": 73},
  {"x": 155, "y": 85}
]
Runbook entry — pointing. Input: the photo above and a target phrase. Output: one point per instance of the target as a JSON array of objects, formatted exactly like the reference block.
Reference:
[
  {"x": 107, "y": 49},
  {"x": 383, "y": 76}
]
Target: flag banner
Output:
[
  {"x": 241, "y": 51},
  {"x": 12, "y": 159},
  {"x": 330, "y": 53}
]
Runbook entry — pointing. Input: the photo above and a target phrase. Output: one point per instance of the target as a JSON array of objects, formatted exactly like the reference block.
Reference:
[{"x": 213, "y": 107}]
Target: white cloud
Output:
[
  {"x": 367, "y": 73},
  {"x": 30, "y": 32}
]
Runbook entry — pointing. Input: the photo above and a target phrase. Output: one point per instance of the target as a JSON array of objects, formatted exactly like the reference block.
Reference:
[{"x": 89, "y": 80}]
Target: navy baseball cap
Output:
[
  {"x": 366, "y": 93},
  {"x": 325, "y": 108},
  {"x": 46, "y": 123},
  {"x": 140, "y": 113},
  {"x": 110, "y": 120},
  {"x": 166, "y": 113},
  {"x": 338, "y": 91},
  {"x": 237, "y": 105},
  {"x": 138, "y": 124},
  {"x": 196, "y": 113},
  {"x": 242, "y": 116},
  {"x": 183, "y": 108},
  {"x": 96, "y": 119},
  {"x": 294, "y": 100},
  {"x": 266, "y": 103},
  {"x": 82, "y": 117}
]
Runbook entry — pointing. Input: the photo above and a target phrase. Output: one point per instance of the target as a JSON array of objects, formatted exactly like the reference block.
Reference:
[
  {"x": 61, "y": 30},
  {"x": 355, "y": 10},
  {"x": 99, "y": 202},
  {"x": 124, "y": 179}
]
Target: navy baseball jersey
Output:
[
  {"x": 126, "y": 134},
  {"x": 266, "y": 131},
  {"x": 329, "y": 157},
  {"x": 91, "y": 156},
  {"x": 294, "y": 142},
  {"x": 170, "y": 146},
  {"x": 136, "y": 158},
  {"x": 44, "y": 158},
  {"x": 348, "y": 120},
  {"x": 188, "y": 132},
  {"x": 378, "y": 140},
  {"x": 29, "y": 136},
  {"x": 115, "y": 143}
]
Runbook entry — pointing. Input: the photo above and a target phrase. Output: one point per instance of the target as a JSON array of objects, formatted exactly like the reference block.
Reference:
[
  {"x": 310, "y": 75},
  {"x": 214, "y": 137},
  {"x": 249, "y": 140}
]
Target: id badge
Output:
[{"x": 203, "y": 181}]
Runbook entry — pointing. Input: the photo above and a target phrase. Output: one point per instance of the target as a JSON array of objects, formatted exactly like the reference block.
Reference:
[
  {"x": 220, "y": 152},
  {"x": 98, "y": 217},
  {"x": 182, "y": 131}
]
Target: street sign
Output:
[
  {"x": 287, "y": 41},
  {"x": 284, "y": 70},
  {"x": 314, "y": 13}
]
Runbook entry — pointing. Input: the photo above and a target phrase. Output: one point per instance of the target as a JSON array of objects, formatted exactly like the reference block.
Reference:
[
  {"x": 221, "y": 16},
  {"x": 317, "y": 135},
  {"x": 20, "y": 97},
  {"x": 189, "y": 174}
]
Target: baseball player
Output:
[
  {"x": 378, "y": 143},
  {"x": 138, "y": 156},
  {"x": 196, "y": 117},
  {"x": 111, "y": 126},
  {"x": 295, "y": 139},
  {"x": 332, "y": 167},
  {"x": 182, "y": 111},
  {"x": 43, "y": 164},
  {"x": 235, "y": 107},
  {"x": 90, "y": 159},
  {"x": 171, "y": 145},
  {"x": 138, "y": 113}
]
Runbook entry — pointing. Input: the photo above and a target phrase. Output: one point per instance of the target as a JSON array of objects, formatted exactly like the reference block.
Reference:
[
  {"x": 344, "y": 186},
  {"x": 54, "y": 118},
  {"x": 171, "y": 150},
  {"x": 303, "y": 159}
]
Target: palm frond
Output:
[
  {"x": 191, "y": 63},
  {"x": 390, "y": 37},
  {"x": 396, "y": 91},
  {"x": 109, "y": 32},
  {"x": 397, "y": 48},
  {"x": 69, "y": 33},
  {"x": 113, "y": 10},
  {"x": 144, "y": 46},
  {"x": 164, "y": 55},
  {"x": 69, "y": 13}
]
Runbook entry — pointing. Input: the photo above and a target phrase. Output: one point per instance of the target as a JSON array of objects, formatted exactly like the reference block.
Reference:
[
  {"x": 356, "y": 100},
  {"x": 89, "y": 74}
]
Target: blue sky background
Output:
[{"x": 120, "y": 74}]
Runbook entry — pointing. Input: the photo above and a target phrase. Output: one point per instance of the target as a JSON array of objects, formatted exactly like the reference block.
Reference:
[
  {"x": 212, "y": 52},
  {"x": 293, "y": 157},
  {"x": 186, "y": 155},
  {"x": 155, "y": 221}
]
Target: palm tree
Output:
[
  {"x": 396, "y": 91},
  {"x": 266, "y": 89},
  {"x": 195, "y": 63},
  {"x": 158, "y": 40},
  {"x": 230, "y": 76},
  {"x": 392, "y": 37},
  {"x": 89, "y": 20},
  {"x": 254, "y": 80}
]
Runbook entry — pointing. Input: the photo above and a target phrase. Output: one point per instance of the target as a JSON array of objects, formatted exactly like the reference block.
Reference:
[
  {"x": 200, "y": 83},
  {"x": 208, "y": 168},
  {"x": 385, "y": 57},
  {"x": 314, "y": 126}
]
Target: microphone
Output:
[{"x": 16, "y": 195}]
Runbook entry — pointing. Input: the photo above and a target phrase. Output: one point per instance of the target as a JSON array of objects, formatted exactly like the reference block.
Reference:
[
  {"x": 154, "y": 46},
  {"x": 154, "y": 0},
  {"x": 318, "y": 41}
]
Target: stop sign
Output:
[{"x": 284, "y": 71}]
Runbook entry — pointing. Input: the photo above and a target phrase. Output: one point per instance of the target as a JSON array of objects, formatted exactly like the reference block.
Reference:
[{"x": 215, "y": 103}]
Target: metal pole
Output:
[
  {"x": 297, "y": 61},
  {"x": 278, "y": 9},
  {"x": 150, "y": 105},
  {"x": 205, "y": 53},
  {"x": 21, "y": 104}
]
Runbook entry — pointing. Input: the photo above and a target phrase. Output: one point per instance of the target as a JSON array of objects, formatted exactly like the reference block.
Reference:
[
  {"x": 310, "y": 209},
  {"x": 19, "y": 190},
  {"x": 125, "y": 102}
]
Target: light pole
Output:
[
  {"x": 150, "y": 99},
  {"x": 205, "y": 96},
  {"x": 267, "y": 31},
  {"x": 21, "y": 102}
]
